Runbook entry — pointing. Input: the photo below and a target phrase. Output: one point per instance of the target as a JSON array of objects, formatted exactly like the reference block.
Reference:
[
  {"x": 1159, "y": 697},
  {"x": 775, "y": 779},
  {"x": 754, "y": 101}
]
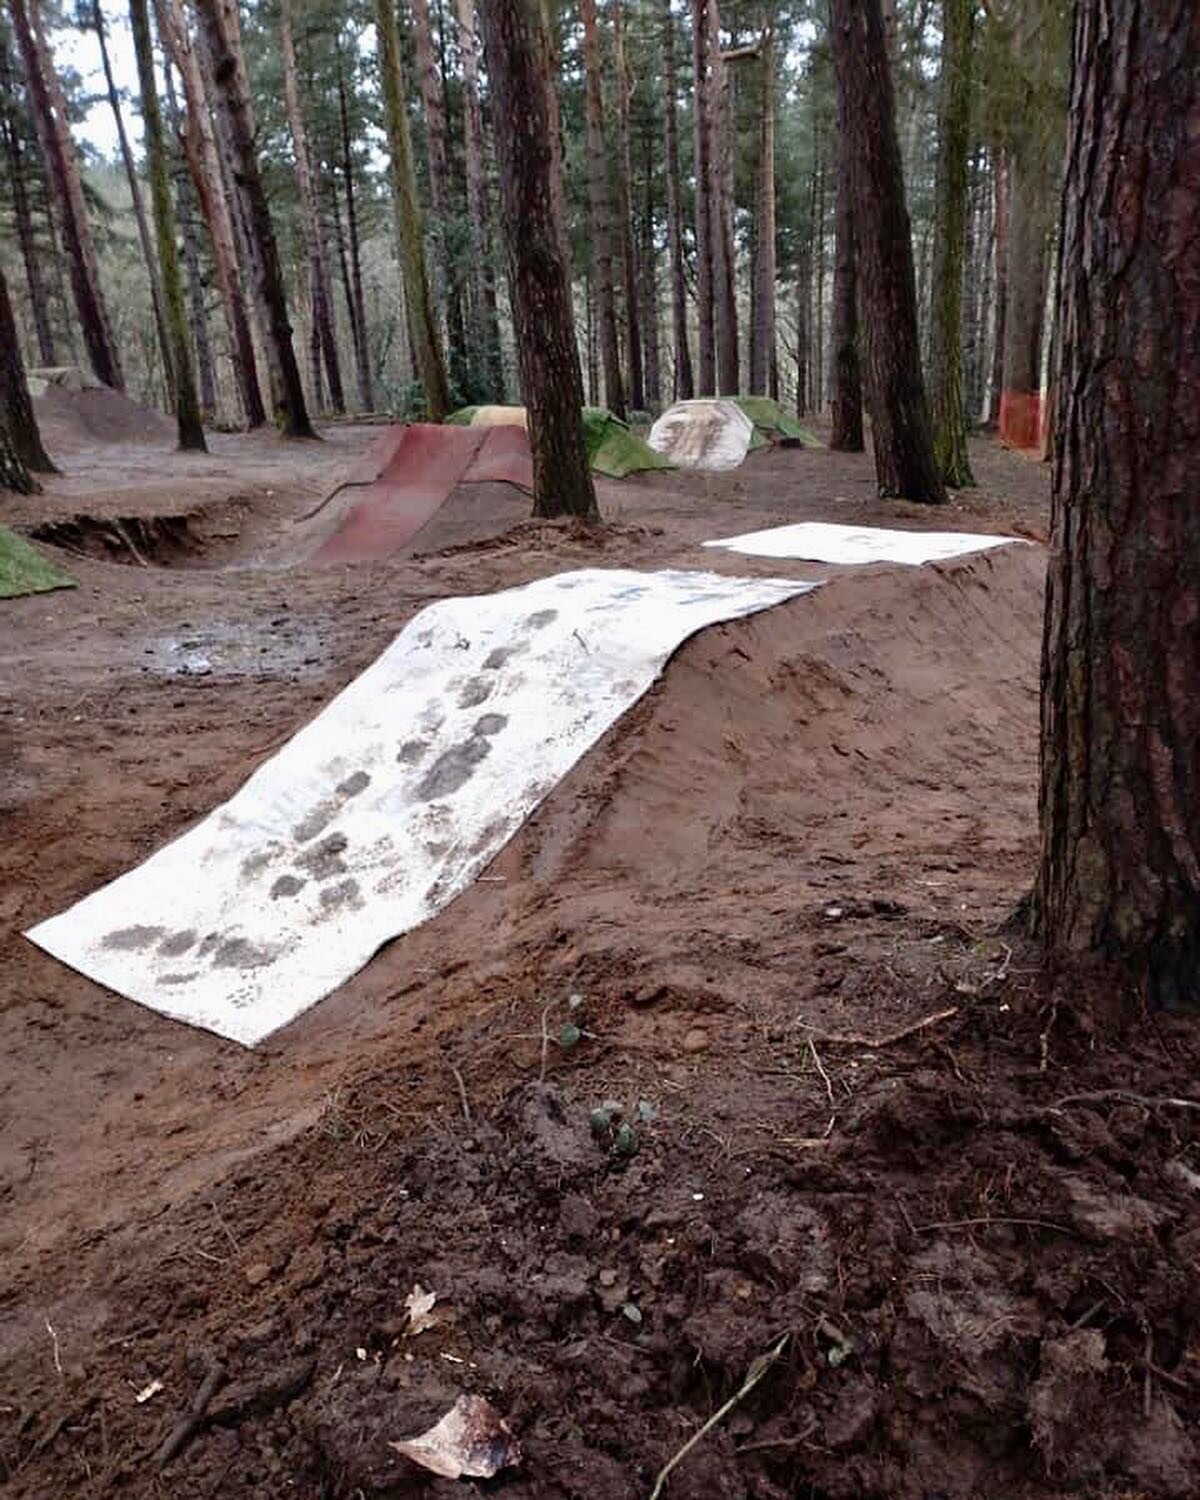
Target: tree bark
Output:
[
  {"x": 184, "y": 210},
  {"x": 1025, "y": 305},
  {"x": 410, "y": 229},
  {"x": 1120, "y": 786},
  {"x": 648, "y": 278},
  {"x": 762, "y": 317},
  {"x": 149, "y": 256},
  {"x": 846, "y": 435},
  {"x": 633, "y": 324},
  {"x": 216, "y": 209},
  {"x": 218, "y": 18},
  {"x": 310, "y": 214},
  {"x": 681, "y": 349},
  {"x": 949, "y": 243},
  {"x": 49, "y": 110},
  {"x": 1000, "y": 176},
  {"x": 447, "y": 272},
  {"x": 804, "y": 325},
  {"x": 903, "y": 441},
  {"x": 355, "y": 300},
  {"x": 16, "y": 410},
  {"x": 724, "y": 263},
  {"x": 601, "y": 214},
  {"x": 706, "y": 374},
  {"x": 187, "y": 403},
  {"x": 519, "y": 67},
  {"x": 15, "y": 155},
  {"x": 485, "y": 321}
]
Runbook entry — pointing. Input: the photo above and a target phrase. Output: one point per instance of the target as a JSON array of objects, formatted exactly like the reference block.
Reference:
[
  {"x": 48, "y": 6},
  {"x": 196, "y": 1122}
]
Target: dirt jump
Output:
[{"x": 723, "y": 1125}]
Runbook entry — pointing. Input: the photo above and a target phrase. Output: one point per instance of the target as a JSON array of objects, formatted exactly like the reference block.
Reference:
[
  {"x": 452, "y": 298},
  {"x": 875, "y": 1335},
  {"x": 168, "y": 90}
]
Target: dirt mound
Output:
[
  {"x": 76, "y": 418},
  {"x": 203, "y": 537}
]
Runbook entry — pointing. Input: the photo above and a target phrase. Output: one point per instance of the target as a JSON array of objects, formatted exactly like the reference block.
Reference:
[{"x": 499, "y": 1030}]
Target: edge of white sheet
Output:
[
  {"x": 386, "y": 806},
  {"x": 827, "y": 542}
]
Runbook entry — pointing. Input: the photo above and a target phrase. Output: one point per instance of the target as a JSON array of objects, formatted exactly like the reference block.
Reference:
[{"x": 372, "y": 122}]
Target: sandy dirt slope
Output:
[{"x": 977, "y": 1234}]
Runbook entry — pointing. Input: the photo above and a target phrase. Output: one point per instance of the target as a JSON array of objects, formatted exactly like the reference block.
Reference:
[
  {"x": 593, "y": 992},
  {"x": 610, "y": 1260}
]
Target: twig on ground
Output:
[
  {"x": 229, "y": 1234},
  {"x": 1147, "y": 1379},
  {"x": 820, "y": 1067},
  {"x": 545, "y": 1045},
  {"x": 193, "y": 1419},
  {"x": 54, "y": 1343},
  {"x": 1123, "y": 1096},
  {"x": 462, "y": 1093},
  {"x": 1044, "y": 1039},
  {"x": 986, "y": 1220},
  {"x": 757, "y": 1370},
  {"x": 888, "y": 1039}
]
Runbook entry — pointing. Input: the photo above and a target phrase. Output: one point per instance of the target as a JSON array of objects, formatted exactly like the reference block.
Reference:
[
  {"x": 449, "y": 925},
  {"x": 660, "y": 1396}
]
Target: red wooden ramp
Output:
[{"x": 406, "y": 475}]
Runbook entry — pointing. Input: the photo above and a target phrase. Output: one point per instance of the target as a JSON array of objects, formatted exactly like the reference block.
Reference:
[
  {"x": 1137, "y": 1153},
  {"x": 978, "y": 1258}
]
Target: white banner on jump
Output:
[
  {"x": 380, "y": 811},
  {"x": 822, "y": 541}
]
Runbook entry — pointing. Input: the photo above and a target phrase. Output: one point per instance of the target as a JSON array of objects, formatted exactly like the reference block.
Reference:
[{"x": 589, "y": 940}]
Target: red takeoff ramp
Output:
[{"x": 406, "y": 475}]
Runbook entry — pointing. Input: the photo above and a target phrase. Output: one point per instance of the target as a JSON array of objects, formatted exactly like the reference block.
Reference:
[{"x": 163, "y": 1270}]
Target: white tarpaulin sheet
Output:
[
  {"x": 704, "y": 434},
  {"x": 821, "y": 541},
  {"x": 378, "y": 813}
]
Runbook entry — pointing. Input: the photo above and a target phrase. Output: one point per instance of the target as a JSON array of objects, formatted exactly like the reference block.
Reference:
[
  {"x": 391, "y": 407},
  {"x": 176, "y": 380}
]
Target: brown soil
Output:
[{"x": 979, "y": 1234}]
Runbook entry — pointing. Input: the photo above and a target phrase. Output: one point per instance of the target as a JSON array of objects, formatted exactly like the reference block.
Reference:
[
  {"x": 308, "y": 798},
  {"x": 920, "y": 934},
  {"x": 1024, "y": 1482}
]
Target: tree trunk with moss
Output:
[
  {"x": 187, "y": 403},
  {"x": 519, "y": 53},
  {"x": 410, "y": 225},
  {"x": 1120, "y": 784},
  {"x": 949, "y": 242}
]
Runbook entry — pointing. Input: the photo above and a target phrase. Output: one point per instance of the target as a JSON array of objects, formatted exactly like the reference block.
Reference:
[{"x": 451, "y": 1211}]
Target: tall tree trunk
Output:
[
  {"x": 208, "y": 179},
  {"x": 519, "y": 56},
  {"x": 648, "y": 278},
  {"x": 1120, "y": 787},
  {"x": 149, "y": 256},
  {"x": 16, "y": 156},
  {"x": 310, "y": 214},
  {"x": 1000, "y": 196},
  {"x": 49, "y": 110},
  {"x": 818, "y": 336},
  {"x": 16, "y": 409},
  {"x": 358, "y": 306},
  {"x": 218, "y": 19},
  {"x": 903, "y": 440},
  {"x": 762, "y": 316},
  {"x": 1024, "y": 323},
  {"x": 187, "y": 404},
  {"x": 410, "y": 227},
  {"x": 633, "y": 326},
  {"x": 485, "y": 321},
  {"x": 14, "y": 474},
  {"x": 702, "y": 171},
  {"x": 950, "y": 229},
  {"x": 184, "y": 210},
  {"x": 601, "y": 214},
  {"x": 591, "y": 341},
  {"x": 804, "y": 325},
  {"x": 846, "y": 435},
  {"x": 721, "y": 210},
  {"x": 447, "y": 271},
  {"x": 681, "y": 349}
]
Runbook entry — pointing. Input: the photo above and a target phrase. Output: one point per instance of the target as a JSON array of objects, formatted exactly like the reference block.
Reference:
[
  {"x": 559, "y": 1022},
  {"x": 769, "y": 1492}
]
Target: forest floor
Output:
[{"x": 955, "y": 1197}]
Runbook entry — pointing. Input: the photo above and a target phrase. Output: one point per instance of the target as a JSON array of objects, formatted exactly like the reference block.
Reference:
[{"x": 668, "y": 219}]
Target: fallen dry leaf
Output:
[
  {"x": 471, "y": 1441},
  {"x": 420, "y": 1308}
]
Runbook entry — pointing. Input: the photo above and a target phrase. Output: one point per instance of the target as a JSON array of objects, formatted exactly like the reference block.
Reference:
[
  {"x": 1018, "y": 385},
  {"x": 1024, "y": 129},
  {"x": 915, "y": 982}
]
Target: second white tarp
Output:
[
  {"x": 823, "y": 541},
  {"x": 378, "y": 813},
  {"x": 705, "y": 434}
]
